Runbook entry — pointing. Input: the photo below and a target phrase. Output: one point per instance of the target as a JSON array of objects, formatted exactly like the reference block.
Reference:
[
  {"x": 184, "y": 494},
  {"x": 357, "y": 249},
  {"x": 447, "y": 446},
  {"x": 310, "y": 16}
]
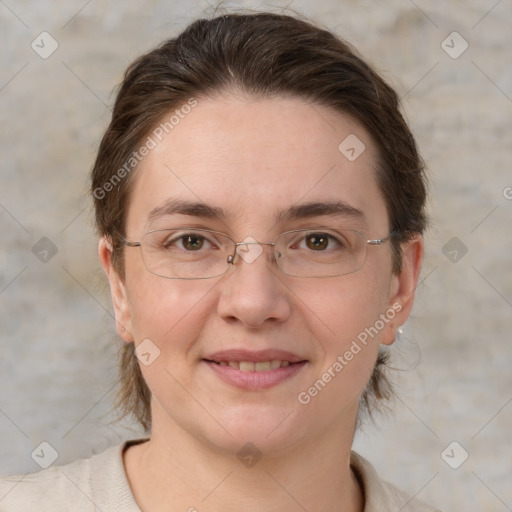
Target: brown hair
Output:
[{"x": 266, "y": 55}]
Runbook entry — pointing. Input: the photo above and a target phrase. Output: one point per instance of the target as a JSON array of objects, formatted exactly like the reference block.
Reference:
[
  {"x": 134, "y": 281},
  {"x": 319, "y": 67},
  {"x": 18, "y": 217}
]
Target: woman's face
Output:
[{"x": 256, "y": 159}]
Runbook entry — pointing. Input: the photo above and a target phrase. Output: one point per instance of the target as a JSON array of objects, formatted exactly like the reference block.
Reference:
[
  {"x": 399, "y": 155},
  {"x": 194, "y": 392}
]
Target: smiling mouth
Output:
[{"x": 259, "y": 366}]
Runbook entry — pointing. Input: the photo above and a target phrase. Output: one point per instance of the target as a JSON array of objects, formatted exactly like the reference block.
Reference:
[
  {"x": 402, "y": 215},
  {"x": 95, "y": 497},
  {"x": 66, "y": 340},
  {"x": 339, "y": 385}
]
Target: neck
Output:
[{"x": 174, "y": 471}]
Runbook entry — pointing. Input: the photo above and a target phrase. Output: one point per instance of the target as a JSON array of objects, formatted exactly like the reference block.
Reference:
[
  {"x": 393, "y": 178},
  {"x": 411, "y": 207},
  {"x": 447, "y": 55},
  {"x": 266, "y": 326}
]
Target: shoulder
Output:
[
  {"x": 381, "y": 496},
  {"x": 96, "y": 483}
]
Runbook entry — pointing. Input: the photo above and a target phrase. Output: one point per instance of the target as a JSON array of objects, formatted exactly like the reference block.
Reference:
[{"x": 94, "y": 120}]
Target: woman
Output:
[{"x": 260, "y": 203}]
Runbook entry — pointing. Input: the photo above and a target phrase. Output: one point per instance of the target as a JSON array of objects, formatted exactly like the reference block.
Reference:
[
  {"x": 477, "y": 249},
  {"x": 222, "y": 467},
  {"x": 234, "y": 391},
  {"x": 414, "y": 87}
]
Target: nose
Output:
[{"x": 252, "y": 292}]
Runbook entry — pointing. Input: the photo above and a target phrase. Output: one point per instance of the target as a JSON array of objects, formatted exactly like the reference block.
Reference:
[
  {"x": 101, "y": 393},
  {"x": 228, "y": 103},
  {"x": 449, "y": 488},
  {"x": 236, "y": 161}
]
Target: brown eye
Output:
[
  {"x": 192, "y": 242},
  {"x": 317, "y": 241}
]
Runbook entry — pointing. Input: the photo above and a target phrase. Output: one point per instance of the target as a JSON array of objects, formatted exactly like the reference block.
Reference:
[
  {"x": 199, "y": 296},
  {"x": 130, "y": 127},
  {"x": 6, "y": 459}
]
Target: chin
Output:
[{"x": 270, "y": 431}]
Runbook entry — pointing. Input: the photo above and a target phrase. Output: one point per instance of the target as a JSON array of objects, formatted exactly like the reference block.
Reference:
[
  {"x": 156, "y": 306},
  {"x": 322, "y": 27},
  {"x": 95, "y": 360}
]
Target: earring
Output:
[
  {"x": 123, "y": 329},
  {"x": 400, "y": 331}
]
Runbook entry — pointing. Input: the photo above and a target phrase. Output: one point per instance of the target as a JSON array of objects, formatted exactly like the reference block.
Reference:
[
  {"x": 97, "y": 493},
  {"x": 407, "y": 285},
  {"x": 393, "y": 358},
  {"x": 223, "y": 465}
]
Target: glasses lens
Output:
[
  {"x": 186, "y": 253},
  {"x": 320, "y": 252}
]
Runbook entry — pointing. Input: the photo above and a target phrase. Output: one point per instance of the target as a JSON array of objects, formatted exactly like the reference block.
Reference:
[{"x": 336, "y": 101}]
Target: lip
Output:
[
  {"x": 254, "y": 356},
  {"x": 254, "y": 381}
]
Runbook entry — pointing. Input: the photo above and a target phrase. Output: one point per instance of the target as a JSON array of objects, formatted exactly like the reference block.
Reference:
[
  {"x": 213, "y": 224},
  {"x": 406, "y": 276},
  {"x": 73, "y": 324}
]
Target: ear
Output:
[
  {"x": 403, "y": 287},
  {"x": 117, "y": 290}
]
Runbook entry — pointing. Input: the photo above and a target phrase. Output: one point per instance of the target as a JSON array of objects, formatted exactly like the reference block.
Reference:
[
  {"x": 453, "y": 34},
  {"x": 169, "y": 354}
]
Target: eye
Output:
[
  {"x": 321, "y": 241},
  {"x": 317, "y": 241},
  {"x": 191, "y": 242}
]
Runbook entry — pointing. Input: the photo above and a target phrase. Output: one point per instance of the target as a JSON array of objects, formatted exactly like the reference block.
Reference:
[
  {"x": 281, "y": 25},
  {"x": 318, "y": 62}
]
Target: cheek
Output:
[
  {"x": 345, "y": 307},
  {"x": 164, "y": 309},
  {"x": 349, "y": 326},
  {"x": 171, "y": 315},
  {"x": 334, "y": 391}
]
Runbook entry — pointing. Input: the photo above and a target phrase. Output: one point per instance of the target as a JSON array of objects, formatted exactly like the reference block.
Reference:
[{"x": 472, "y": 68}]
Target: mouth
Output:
[
  {"x": 250, "y": 366},
  {"x": 255, "y": 360},
  {"x": 255, "y": 370}
]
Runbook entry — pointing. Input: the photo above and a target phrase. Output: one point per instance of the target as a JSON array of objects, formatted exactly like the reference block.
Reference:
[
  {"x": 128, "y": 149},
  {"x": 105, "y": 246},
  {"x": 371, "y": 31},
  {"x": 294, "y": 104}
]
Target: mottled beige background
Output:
[{"x": 58, "y": 365}]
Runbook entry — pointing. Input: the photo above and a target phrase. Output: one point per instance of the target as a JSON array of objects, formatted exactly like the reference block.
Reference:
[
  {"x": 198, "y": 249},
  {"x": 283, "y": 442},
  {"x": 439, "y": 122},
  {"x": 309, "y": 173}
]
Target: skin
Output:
[{"x": 254, "y": 157}]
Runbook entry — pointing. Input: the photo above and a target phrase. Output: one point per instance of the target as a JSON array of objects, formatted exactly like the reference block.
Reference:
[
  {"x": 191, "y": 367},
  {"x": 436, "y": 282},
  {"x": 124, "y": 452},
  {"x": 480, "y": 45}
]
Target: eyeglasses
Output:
[{"x": 190, "y": 253}]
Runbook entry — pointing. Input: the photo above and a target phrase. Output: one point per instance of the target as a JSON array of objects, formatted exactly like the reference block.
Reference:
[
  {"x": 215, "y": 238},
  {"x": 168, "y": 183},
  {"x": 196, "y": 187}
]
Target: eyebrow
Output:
[
  {"x": 317, "y": 209},
  {"x": 194, "y": 209},
  {"x": 295, "y": 212}
]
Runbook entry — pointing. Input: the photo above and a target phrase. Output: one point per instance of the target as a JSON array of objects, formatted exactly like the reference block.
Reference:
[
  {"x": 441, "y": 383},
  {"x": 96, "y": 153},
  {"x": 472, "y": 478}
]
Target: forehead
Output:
[{"x": 254, "y": 158}]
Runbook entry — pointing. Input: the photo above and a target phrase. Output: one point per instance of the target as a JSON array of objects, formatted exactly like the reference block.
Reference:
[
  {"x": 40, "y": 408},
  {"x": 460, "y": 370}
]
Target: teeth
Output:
[
  {"x": 263, "y": 366},
  {"x": 275, "y": 364},
  {"x": 246, "y": 366},
  {"x": 260, "y": 366}
]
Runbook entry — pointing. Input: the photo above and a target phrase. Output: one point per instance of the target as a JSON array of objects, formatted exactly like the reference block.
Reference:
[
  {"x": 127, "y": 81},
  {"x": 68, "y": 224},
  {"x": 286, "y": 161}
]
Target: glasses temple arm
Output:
[
  {"x": 379, "y": 241},
  {"x": 127, "y": 242}
]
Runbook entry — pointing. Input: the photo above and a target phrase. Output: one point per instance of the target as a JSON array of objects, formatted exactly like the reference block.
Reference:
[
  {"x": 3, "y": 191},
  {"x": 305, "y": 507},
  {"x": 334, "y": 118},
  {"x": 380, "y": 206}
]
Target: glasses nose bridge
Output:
[
  {"x": 231, "y": 258},
  {"x": 254, "y": 243}
]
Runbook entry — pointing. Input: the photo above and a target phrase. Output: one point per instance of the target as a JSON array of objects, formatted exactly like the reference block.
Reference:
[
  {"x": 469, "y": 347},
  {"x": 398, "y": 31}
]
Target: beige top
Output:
[{"x": 100, "y": 484}]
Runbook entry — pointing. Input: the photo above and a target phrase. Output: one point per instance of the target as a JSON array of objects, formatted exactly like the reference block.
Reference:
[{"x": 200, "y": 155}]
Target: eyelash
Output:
[{"x": 303, "y": 238}]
